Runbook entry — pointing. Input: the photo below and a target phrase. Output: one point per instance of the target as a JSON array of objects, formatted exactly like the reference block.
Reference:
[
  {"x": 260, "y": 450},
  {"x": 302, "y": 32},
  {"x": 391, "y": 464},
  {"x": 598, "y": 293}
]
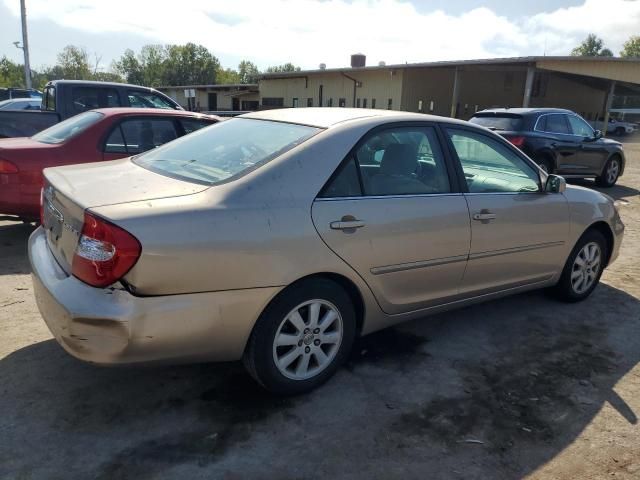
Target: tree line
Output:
[
  {"x": 593, "y": 46},
  {"x": 153, "y": 66},
  {"x": 190, "y": 64}
]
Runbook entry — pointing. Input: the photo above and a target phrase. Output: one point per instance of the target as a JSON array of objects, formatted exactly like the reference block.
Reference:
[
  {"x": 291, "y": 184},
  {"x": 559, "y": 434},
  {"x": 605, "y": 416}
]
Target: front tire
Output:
[
  {"x": 611, "y": 173},
  {"x": 584, "y": 267},
  {"x": 302, "y": 337}
]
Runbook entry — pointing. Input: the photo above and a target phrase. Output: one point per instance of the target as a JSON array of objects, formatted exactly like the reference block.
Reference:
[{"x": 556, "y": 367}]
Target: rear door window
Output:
[
  {"x": 142, "y": 134},
  {"x": 90, "y": 98},
  {"x": 192, "y": 124},
  {"x": 555, "y": 123},
  {"x": 141, "y": 99}
]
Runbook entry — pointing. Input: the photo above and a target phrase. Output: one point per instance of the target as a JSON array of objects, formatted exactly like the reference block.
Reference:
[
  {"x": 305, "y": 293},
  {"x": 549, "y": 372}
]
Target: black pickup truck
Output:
[{"x": 65, "y": 98}]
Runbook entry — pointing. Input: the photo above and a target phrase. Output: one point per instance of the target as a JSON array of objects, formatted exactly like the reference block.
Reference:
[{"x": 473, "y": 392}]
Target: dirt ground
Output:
[{"x": 515, "y": 388}]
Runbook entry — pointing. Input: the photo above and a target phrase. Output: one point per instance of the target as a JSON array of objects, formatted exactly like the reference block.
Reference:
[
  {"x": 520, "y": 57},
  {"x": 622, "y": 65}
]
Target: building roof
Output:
[
  {"x": 213, "y": 85},
  {"x": 456, "y": 63}
]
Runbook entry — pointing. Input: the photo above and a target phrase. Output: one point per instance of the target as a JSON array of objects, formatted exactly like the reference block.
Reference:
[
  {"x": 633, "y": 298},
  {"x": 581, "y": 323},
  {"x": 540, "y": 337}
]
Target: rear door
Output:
[
  {"x": 518, "y": 232},
  {"x": 567, "y": 148},
  {"x": 393, "y": 212}
]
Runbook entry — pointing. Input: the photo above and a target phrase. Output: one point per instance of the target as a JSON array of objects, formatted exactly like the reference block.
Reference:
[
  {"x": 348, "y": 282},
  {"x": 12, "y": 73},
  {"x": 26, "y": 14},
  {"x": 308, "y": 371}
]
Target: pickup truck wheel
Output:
[
  {"x": 620, "y": 131},
  {"x": 611, "y": 173},
  {"x": 302, "y": 337}
]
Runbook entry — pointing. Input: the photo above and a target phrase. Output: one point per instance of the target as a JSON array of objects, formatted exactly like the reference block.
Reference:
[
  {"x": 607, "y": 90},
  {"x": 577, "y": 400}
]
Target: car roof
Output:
[
  {"x": 325, "y": 117},
  {"x": 129, "y": 111},
  {"x": 99, "y": 83},
  {"x": 524, "y": 111}
]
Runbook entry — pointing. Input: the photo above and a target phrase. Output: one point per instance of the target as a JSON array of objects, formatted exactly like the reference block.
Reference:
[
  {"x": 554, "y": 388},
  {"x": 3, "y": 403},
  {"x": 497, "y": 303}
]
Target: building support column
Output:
[
  {"x": 608, "y": 100},
  {"x": 528, "y": 86},
  {"x": 455, "y": 97}
]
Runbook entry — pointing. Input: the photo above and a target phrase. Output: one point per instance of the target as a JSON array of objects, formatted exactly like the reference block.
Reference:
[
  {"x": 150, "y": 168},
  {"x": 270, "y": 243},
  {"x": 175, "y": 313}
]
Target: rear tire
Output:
[
  {"x": 583, "y": 268},
  {"x": 610, "y": 173},
  {"x": 545, "y": 164},
  {"x": 620, "y": 131},
  {"x": 302, "y": 337}
]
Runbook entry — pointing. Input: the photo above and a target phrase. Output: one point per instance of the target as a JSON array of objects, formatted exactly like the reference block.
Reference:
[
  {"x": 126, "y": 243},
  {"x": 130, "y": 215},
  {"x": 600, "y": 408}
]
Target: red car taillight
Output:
[
  {"x": 105, "y": 252},
  {"x": 7, "y": 167},
  {"x": 517, "y": 141}
]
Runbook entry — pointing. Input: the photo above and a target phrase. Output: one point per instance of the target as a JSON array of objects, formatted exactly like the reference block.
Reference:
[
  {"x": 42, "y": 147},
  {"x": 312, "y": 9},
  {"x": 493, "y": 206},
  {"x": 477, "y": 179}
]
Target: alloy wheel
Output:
[
  {"x": 308, "y": 339},
  {"x": 586, "y": 267},
  {"x": 613, "y": 169}
]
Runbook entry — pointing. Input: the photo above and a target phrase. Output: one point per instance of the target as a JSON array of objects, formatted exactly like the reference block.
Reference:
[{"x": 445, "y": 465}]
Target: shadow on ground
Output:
[
  {"x": 493, "y": 391},
  {"x": 617, "y": 192},
  {"x": 13, "y": 245}
]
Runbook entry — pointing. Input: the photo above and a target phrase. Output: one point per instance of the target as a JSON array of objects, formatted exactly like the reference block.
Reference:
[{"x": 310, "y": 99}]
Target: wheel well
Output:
[
  {"x": 348, "y": 286},
  {"x": 606, "y": 232},
  {"x": 546, "y": 156}
]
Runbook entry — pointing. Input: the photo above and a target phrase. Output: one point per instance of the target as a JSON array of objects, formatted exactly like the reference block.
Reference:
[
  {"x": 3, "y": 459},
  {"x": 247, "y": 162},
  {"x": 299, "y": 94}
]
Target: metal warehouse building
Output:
[{"x": 586, "y": 85}]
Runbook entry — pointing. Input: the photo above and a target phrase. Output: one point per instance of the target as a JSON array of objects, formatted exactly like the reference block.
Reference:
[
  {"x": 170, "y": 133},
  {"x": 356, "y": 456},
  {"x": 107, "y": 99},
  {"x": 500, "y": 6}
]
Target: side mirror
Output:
[
  {"x": 597, "y": 134},
  {"x": 555, "y": 184}
]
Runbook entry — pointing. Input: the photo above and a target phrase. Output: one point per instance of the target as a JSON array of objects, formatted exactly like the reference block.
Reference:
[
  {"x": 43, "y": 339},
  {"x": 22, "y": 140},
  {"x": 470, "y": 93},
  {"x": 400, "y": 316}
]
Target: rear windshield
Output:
[
  {"x": 63, "y": 131},
  {"x": 510, "y": 123},
  {"x": 225, "y": 150}
]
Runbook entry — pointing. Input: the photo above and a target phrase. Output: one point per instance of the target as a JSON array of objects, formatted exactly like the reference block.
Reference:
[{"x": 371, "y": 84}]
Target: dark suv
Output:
[{"x": 560, "y": 141}]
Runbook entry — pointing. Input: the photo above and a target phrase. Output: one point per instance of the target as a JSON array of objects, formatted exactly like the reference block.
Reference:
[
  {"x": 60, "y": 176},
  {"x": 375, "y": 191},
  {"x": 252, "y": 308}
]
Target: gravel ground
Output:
[{"x": 520, "y": 387}]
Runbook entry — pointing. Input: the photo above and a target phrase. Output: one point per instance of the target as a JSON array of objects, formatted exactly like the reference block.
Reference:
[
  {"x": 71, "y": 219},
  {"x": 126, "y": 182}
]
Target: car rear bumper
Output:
[
  {"x": 12, "y": 199},
  {"x": 112, "y": 326}
]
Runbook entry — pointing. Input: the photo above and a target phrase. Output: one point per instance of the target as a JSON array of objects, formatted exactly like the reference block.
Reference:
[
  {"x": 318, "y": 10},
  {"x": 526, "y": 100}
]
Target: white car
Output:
[{"x": 616, "y": 127}]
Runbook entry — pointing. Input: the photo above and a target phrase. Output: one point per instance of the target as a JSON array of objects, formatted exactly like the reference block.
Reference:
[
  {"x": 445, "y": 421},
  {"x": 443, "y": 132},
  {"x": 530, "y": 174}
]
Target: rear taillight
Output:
[
  {"x": 105, "y": 252},
  {"x": 7, "y": 167},
  {"x": 517, "y": 141}
]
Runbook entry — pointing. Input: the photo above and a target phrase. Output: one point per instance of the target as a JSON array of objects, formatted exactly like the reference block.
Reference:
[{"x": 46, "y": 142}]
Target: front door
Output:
[
  {"x": 391, "y": 213},
  {"x": 518, "y": 231},
  {"x": 593, "y": 154}
]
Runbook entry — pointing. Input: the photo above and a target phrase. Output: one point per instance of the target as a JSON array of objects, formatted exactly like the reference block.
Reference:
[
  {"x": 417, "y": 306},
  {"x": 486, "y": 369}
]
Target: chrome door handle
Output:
[
  {"x": 346, "y": 224},
  {"x": 484, "y": 216}
]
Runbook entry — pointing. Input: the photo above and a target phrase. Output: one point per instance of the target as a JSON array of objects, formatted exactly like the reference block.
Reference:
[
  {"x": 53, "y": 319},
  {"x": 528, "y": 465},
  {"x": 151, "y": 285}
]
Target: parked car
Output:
[
  {"x": 615, "y": 127},
  {"x": 20, "y": 104},
  {"x": 63, "y": 99},
  {"x": 11, "y": 93},
  {"x": 559, "y": 141},
  {"x": 279, "y": 236},
  {"x": 93, "y": 136}
]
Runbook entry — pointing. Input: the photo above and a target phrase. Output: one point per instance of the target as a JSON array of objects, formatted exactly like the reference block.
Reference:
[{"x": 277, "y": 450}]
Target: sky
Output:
[{"x": 310, "y": 32}]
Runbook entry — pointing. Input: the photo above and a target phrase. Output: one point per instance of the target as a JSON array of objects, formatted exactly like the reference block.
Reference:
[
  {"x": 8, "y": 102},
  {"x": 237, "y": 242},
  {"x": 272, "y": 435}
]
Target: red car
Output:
[{"x": 94, "y": 136}]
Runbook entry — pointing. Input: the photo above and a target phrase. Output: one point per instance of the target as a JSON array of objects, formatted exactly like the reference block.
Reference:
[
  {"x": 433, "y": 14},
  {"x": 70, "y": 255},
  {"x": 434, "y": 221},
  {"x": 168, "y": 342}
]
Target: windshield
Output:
[
  {"x": 225, "y": 150},
  {"x": 510, "y": 123},
  {"x": 63, "y": 131}
]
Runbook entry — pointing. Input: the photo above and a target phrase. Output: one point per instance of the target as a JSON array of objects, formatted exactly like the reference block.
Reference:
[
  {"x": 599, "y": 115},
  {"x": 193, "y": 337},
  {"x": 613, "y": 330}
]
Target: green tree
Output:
[
  {"x": 74, "y": 63},
  {"x": 227, "y": 76},
  {"x": 11, "y": 73},
  {"x": 287, "y": 67},
  {"x": 189, "y": 64},
  {"x": 248, "y": 72},
  {"x": 129, "y": 68},
  {"x": 592, "y": 46},
  {"x": 631, "y": 48}
]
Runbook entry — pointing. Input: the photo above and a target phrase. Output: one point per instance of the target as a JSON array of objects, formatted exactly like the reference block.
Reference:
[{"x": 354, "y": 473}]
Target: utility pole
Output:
[{"x": 25, "y": 45}]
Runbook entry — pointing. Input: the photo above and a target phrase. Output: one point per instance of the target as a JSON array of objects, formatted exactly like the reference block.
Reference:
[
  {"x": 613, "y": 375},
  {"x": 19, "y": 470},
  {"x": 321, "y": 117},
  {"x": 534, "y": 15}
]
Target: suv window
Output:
[
  {"x": 399, "y": 161},
  {"x": 553, "y": 123},
  {"x": 141, "y": 99},
  {"x": 89, "y": 98},
  {"x": 579, "y": 126},
  {"x": 138, "y": 135},
  {"x": 491, "y": 167}
]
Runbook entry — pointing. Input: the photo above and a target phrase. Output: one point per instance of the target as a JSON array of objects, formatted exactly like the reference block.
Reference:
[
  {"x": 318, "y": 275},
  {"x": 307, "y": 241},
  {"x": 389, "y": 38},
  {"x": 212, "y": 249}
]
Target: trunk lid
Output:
[{"x": 70, "y": 190}]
